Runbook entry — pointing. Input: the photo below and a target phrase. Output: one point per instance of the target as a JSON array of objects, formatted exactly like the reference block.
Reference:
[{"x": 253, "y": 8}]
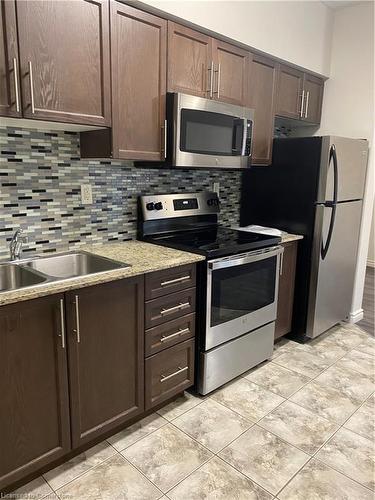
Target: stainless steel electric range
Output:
[{"x": 237, "y": 283}]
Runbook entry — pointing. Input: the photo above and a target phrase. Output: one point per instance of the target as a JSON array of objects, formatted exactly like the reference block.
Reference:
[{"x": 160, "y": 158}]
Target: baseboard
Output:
[
  {"x": 371, "y": 263},
  {"x": 355, "y": 316}
]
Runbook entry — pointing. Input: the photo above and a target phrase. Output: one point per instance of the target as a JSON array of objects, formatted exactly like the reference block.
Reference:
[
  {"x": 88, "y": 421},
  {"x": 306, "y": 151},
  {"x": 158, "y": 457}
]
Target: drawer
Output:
[
  {"x": 160, "y": 337},
  {"x": 168, "y": 373},
  {"x": 171, "y": 306},
  {"x": 169, "y": 281}
]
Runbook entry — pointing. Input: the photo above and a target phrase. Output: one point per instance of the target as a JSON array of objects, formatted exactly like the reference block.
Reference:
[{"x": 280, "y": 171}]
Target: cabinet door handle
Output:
[
  {"x": 175, "y": 280},
  {"x": 307, "y": 103},
  {"x": 211, "y": 77},
  {"x": 180, "y": 332},
  {"x": 281, "y": 264},
  {"x": 302, "y": 102},
  {"x": 175, "y": 308},
  {"x": 77, "y": 329},
  {"x": 164, "y": 128},
  {"x": 218, "y": 71},
  {"x": 62, "y": 323},
  {"x": 31, "y": 88},
  {"x": 163, "y": 378},
  {"x": 16, "y": 88}
]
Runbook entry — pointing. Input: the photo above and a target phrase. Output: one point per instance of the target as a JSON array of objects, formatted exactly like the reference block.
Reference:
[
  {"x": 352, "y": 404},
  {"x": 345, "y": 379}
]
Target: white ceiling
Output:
[{"x": 339, "y": 4}]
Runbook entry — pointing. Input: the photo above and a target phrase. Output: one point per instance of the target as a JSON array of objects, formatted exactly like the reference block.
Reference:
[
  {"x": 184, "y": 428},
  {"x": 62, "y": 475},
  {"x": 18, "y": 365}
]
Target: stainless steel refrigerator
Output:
[{"x": 314, "y": 187}]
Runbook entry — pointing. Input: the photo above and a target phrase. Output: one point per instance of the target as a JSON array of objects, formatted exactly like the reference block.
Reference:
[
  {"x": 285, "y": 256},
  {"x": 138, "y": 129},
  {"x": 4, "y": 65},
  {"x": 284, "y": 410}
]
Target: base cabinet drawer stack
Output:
[{"x": 169, "y": 334}]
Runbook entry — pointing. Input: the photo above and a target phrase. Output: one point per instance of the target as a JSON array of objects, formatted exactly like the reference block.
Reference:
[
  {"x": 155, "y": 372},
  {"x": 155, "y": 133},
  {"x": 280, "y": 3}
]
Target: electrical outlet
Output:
[
  {"x": 216, "y": 188},
  {"x": 86, "y": 194}
]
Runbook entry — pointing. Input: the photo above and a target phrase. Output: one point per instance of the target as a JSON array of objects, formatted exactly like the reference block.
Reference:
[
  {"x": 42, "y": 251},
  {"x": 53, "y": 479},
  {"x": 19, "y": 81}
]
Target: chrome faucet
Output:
[{"x": 16, "y": 243}]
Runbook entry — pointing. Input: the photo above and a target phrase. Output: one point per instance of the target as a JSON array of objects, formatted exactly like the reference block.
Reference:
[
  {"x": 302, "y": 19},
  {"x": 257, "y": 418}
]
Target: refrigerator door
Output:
[
  {"x": 351, "y": 157},
  {"x": 332, "y": 277}
]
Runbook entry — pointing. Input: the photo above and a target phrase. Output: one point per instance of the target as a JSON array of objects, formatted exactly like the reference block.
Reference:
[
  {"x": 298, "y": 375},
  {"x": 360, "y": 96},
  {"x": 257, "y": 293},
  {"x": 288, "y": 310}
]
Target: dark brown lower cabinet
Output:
[
  {"x": 106, "y": 356},
  {"x": 34, "y": 413},
  {"x": 286, "y": 290},
  {"x": 169, "y": 372}
]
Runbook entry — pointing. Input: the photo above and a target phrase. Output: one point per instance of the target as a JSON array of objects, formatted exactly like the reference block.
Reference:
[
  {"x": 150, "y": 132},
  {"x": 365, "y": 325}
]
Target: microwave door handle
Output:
[{"x": 244, "y": 137}]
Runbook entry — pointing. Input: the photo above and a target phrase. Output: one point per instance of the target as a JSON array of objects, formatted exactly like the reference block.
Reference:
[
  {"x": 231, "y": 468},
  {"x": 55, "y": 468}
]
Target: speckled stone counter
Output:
[
  {"x": 287, "y": 237},
  {"x": 142, "y": 257}
]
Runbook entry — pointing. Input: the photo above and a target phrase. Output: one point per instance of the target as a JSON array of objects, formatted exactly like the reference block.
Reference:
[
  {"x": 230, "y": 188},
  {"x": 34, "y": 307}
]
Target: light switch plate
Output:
[
  {"x": 216, "y": 188},
  {"x": 86, "y": 194}
]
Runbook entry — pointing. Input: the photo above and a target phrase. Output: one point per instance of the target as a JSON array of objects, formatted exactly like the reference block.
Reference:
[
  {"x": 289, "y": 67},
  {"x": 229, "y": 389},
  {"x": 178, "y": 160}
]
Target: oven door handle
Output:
[{"x": 239, "y": 260}]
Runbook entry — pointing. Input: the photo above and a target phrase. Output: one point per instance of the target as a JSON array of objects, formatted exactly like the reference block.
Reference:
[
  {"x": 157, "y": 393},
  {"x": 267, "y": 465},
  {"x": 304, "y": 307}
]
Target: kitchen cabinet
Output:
[
  {"x": 286, "y": 289},
  {"x": 189, "y": 60},
  {"x": 139, "y": 54},
  {"x": 105, "y": 338},
  {"x": 34, "y": 416},
  {"x": 313, "y": 98},
  {"x": 289, "y": 92},
  {"x": 299, "y": 95},
  {"x": 204, "y": 66},
  {"x": 262, "y": 87},
  {"x": 231, "y": 71},
  {"x": 65, "y": 60},
  {"x": 10, "y": 99}
]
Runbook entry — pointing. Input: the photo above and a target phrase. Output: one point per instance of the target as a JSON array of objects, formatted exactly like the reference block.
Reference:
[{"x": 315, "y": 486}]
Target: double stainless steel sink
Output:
[{"x": 59, "y": 267}]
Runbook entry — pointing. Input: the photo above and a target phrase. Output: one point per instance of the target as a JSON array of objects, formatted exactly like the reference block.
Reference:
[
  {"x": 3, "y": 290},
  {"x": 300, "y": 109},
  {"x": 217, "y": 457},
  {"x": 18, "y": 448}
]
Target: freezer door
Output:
[
  {"x": 332, "y": 277},
  {"x": 351, "y": 168}
]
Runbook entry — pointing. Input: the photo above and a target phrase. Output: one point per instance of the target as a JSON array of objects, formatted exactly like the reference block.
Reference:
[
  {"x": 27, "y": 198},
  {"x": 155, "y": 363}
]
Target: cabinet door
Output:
[
  {"x": 231, "y": 71},
  {"x": 286, "y": 290},
  {"x": 289, "y": 92},
  {"x": 262, "y": 88},
  {"x": 64, "y": 55},
  {"x": 189, "y": 61},
  {"x": 34, "y": 419},
  {"x": 10, "y": 100},
  {"x": 106, "y": 356},
  {"x": 139, "y": 53},
  {"x": 313, "y": 88}
]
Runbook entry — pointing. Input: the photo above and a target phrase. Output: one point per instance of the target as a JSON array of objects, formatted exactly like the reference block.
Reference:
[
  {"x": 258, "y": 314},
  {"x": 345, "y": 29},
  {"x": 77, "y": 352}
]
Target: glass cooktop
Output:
[{"x": 215, "y": 241}]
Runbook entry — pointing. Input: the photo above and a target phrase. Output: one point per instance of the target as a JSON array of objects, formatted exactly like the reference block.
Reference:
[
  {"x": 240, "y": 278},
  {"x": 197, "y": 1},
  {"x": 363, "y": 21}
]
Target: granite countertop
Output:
[
  {"x": 287, "y": 237},
  {"x": 143, "y": 258}
]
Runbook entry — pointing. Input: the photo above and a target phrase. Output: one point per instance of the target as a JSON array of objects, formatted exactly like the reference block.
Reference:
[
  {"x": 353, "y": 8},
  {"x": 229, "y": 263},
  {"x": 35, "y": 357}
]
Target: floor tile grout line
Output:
[{"x": 142, "y": 437}]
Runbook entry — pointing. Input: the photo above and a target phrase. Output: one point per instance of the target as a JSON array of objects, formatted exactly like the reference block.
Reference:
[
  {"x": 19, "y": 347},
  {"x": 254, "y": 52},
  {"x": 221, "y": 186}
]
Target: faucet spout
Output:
[{"x": 16, "y": 243}]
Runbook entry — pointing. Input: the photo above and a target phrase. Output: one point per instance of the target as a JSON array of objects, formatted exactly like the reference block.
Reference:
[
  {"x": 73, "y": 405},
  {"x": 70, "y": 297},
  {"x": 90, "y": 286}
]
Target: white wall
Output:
[
  {"x": 348, "y": 106},
  {"x": 371, "y": 247},
  {"x": 298, "y": 31}
]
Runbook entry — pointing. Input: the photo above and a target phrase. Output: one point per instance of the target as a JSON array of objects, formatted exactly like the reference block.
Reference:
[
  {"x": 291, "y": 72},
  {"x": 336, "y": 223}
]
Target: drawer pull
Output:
[
  {"x": 175, "y": 308},
  {"x": 163, "y": 378},
  {"x": 180, "y": 332},
  {"x": 176, "y": 280}
]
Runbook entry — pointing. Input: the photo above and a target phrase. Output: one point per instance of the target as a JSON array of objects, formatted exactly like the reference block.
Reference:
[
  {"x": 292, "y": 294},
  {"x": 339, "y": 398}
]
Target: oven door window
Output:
[
  {"x": 240, "y": 290},
  {"x": 209, "y": 133}
]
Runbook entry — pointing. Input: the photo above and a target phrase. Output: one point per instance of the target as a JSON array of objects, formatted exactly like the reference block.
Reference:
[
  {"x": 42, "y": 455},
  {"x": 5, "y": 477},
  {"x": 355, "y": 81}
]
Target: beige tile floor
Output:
[{"x": 298, "y": 427}]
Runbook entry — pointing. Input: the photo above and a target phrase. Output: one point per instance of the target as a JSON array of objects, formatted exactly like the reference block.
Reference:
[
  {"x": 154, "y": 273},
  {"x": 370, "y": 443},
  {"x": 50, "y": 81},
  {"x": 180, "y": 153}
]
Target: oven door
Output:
[
  {"x": 241, "y": 294},
  {"x": 211, "y": 133}
]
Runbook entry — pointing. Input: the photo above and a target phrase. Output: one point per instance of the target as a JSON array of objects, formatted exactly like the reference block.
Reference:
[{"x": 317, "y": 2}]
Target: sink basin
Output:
[
  {"x": 72, "y": 265},
  {"x": 13, "y": 277}
]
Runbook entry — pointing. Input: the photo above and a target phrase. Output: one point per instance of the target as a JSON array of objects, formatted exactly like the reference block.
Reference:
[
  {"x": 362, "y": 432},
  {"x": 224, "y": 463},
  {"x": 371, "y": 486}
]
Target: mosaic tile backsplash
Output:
[{"x": 40, "y": 177}]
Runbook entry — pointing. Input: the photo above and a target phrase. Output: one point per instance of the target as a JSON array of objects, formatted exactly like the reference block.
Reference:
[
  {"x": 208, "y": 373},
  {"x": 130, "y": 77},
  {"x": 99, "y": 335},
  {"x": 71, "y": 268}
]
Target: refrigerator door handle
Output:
[
  {"x": 325, "y": 247},
  {"x": 331, "y": 204}
]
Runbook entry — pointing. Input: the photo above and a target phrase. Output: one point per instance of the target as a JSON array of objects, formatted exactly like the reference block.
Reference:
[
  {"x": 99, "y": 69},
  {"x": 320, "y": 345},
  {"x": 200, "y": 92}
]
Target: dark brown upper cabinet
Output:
[
  {"x": 139, "y": 53},
  {"x": 231, "y": 65},
  {"x": 262, "y": 87},
  {"x": 313, "y": 98},
  {"x": 65, "y": 60},
  {"x": 106, "y": 356},
  {"x": 34, "y": 416},
  {"x": 289, "y": 92},
  {"x": 10, "y": 93},
  {"x": 299, "y": 95},
  {"x": 204, "y": 66},
  {"x": 189, "y": 61}
]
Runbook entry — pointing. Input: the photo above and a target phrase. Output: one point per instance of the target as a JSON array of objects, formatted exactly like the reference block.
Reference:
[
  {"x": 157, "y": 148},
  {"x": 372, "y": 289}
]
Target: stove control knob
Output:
[
  {"x": 150, "y": 206},
  {"x": 210, "y": 202},
  {"x": 158, "y": 205}
]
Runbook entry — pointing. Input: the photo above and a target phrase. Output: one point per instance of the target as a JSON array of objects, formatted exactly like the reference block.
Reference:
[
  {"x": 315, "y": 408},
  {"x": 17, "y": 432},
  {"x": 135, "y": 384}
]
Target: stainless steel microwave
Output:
[{"x": 207, "y": 133}]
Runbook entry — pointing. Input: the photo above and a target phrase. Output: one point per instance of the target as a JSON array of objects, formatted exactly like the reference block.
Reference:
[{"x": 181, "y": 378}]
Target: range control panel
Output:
[{"x": 179, "y": 205}]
